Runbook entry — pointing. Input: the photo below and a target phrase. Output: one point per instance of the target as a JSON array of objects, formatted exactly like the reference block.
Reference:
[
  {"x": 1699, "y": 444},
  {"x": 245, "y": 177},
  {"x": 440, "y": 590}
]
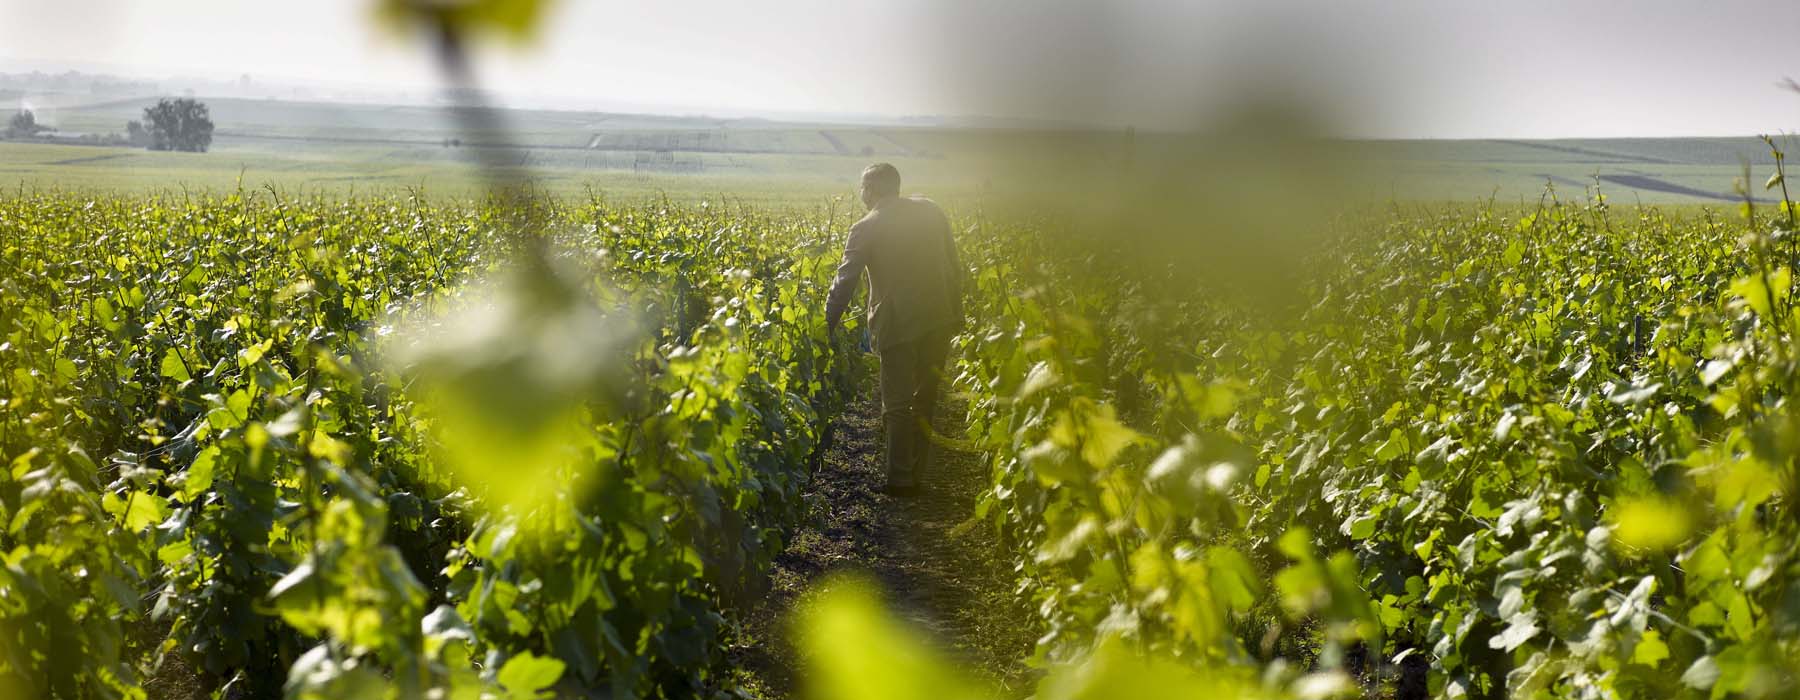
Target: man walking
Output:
[{"x": 915, "y": 306}]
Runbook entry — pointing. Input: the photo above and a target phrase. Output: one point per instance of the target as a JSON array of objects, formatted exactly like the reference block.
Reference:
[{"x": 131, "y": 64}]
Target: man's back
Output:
[
  {"x": 915, "y": 281},
  {"x": 915, "y": 306}
]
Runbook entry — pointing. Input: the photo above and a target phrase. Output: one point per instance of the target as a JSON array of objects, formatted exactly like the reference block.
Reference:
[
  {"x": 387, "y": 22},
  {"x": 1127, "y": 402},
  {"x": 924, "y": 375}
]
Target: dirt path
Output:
[{"x": 940, "y": 572}]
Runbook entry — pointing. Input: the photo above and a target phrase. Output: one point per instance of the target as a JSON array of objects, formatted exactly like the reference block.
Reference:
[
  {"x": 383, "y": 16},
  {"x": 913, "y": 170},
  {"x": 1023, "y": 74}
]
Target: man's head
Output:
[{"x": 879, "y": 181}]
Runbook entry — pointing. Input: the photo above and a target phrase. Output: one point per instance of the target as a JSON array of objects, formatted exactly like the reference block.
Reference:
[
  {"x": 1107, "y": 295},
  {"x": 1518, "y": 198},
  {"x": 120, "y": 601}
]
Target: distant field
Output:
[
  {"x": 340, "y": 147},
  {"x": 41, "y": 166},
  {"x": 1695, "y": 170}
]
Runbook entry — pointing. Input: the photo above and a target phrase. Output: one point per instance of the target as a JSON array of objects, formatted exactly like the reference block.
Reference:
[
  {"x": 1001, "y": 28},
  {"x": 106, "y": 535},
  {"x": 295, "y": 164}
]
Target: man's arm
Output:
[{"x": 849, "y": 275}]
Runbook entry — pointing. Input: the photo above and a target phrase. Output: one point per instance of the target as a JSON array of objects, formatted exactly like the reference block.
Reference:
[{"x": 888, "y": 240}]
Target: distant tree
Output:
[
  {"x": 179, "y": 125},
  {"x": 23, "y": 123},
  {"x": 136, "y": 134}
]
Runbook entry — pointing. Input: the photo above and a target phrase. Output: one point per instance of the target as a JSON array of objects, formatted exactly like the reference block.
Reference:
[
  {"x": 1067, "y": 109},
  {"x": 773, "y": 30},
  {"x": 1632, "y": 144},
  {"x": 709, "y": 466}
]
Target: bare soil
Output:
[{"x": 941, "y": 572}]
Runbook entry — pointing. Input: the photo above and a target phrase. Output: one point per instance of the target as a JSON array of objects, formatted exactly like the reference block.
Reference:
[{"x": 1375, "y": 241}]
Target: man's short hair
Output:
[{"x": 881, "y": 179}]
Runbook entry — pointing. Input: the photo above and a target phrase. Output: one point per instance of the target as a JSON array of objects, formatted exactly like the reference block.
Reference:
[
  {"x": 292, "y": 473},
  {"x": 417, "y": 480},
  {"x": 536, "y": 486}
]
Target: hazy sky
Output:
[{"x": 1404, "y": 68}]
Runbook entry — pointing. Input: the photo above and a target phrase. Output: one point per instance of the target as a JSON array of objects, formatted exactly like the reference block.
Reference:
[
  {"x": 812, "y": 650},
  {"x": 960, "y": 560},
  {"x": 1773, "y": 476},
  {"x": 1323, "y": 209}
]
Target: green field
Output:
[
  {"x": 275, "y": 426},
  {"x": 379, "y": 447},
  {"x": 358, "y": 147},
  {"x": 384, "y": 397}
]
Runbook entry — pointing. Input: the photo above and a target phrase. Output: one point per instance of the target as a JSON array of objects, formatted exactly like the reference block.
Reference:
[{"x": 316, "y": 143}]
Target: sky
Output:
[{"x": 1370, "y": 68}]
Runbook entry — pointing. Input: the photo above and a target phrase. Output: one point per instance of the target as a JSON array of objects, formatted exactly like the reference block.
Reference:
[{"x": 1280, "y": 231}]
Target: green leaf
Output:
[
  {"x": 145, "y": 509},
  {"x": 1105, "y": 437},
  {"x": 1738, "y": 617},
  {"x": 1233, "y": 578},
  {"x": 1053, "y": 464},
  {"x": 1702, "y": 674},
  {"x": 1714, "y": 370},
  {"x": 253, "y": 353},
  {"x": 1745, "y": 481},
  {"x": 1503, "y": 429},
  {"x": 1634, "y": 394},
  {"x": 1042, "y": 377},
  {"x": 1515, "y": 253},
  {"x": 1064, "y": 546},
  {"x": 528, "y": 675},
  {"x": 1296, "y": 543},
  {"x": 199, "y": 476},
  {"x": 66, "y": 371},
  {"x": 1706, "y": 614},
  {"x": 239, "y": 405},
  {"x": 1520, "y": 629},
  {"x": 173, "y": 368},
  {"x": 1395, "y": 446},
  {"x": 173, "y": 553},
  {"x": 1634, "y": 610},
  {"x": 1302, "y": 588},
  {"x": 445, "y": 622},
  {"x": 1754, "y": 292},
  {"x": 292, "y": 579},
  {"x": 1651, "y": 523},
  {"x": 1651, "y": 649}
]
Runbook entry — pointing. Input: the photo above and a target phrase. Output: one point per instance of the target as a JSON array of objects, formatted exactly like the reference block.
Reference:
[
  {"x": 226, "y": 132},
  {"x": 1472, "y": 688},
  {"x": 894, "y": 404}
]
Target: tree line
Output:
[{"x": 181, "y": 124}]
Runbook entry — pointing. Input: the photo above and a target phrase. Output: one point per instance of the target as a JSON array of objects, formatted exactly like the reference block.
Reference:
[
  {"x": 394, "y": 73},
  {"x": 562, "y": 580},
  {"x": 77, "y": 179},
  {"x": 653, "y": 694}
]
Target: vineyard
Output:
[{"x": 526, "y": 447}]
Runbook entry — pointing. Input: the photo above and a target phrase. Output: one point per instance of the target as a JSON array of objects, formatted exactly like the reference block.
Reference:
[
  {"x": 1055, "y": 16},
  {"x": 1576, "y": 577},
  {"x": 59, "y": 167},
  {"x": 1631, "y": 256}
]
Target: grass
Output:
[{"x": 32, "y": 166}]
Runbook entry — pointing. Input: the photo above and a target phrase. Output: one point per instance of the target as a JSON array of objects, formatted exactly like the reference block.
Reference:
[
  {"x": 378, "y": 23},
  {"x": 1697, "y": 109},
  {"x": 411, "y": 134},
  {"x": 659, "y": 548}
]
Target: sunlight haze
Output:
[{"x": 1384, "y": 69}]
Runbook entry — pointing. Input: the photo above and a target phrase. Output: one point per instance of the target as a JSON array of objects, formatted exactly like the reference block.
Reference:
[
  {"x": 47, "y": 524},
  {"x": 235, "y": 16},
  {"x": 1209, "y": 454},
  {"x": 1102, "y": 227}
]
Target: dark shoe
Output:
[{"x": 901, "y": 490}]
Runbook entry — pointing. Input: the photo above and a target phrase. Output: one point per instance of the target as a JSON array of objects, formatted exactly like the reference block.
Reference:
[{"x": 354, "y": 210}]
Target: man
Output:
[{"x": 915, "y": 306}]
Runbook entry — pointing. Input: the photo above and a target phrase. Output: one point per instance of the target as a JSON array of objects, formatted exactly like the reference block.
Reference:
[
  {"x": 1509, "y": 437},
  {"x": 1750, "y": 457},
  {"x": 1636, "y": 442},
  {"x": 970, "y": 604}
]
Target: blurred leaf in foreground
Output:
[
  {"x": 854, "y": 649},
  {"x": 515, "y": 19},
  {"x": 1651, "y": 523},
  {"x": 528, "y": 675},
  {"x": 1113, "y": 671},
  {"x": 510, "y": 376}
]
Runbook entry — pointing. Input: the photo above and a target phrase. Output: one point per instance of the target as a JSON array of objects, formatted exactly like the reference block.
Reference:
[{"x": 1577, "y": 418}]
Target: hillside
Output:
[{"x": 316, "y": 145}]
